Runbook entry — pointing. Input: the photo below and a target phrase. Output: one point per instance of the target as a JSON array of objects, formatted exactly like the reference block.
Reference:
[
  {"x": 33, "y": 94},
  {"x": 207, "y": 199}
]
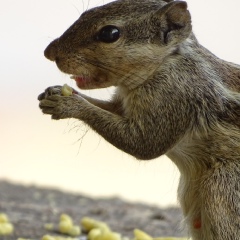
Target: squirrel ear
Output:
[{"x": 175, "y": 22}]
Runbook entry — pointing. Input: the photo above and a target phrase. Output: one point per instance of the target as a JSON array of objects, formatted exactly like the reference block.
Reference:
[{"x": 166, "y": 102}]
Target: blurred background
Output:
[{"x": 64, "y": 154}]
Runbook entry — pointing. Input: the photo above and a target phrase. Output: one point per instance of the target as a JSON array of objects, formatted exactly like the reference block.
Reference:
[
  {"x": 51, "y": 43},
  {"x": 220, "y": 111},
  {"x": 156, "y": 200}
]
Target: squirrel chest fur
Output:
[{"x": 172, "y": 97}]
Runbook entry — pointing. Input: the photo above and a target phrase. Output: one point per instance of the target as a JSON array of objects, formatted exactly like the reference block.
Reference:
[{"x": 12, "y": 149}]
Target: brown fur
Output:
[{"x": 172, "y": 97}]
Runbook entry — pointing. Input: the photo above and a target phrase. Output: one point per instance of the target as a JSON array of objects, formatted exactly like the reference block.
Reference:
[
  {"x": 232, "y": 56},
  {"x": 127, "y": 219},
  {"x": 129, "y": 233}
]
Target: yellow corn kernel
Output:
[
  {"x": 140, "y": 235},
  {"x": 65, "y": 223},
  {"x": 109, "y": 236},
  {"x": 89, "y": 223},
  {"x": 48, "y": 237},
  {"x": 74, "y": 231},
  {"x": 66, "y": 90},
  {"x": 3, "y": 218},
  {"x": 103, "y": 226},
  {"x": 62, "y": 238},
  {"x": 94, "y": 233},
  {"x": 65, "y": 217},
  {"x": 6, "y": 228},
  {"x": 64, "y": 226}
]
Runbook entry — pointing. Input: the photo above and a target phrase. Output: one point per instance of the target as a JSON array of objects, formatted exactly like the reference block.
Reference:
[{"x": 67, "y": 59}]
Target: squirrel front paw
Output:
[{"x": 61, "y": 107}]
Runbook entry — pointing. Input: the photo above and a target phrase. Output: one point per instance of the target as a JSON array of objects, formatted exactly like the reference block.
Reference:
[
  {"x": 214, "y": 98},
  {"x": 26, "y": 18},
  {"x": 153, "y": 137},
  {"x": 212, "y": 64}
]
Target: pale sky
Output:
[{"x": 35, "y": 149}]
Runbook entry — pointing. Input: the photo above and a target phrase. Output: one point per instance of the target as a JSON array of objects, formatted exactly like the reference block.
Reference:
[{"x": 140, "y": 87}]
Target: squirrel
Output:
[{"x": 172, "y": 96}]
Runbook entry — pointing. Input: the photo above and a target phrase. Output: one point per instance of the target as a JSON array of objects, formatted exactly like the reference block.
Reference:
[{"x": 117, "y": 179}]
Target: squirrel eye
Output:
[{"x": 109, "y": 34}]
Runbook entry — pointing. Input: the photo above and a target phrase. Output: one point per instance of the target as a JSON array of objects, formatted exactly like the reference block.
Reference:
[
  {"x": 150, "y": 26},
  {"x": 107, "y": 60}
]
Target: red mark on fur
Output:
[{"x": 197, "y": 223}]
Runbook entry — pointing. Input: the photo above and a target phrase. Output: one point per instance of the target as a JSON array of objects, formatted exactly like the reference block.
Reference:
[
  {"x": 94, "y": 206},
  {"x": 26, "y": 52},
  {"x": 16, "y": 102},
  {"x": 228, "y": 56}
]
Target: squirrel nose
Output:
[{"x": 51, "y": 51}]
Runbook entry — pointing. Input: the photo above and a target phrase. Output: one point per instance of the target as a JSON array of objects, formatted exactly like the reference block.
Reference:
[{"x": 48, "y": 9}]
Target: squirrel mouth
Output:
[
  {"x": 81, "y": 81},
  {"x": 87, "y": 82}
]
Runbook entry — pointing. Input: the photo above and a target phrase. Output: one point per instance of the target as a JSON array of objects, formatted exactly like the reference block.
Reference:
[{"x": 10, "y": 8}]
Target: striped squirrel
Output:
[{"x": 172, "y": 97}]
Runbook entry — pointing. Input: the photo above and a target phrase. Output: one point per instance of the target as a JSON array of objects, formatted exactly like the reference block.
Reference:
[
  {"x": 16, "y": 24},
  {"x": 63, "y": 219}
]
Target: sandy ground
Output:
[{"x": 30, "y": 207}]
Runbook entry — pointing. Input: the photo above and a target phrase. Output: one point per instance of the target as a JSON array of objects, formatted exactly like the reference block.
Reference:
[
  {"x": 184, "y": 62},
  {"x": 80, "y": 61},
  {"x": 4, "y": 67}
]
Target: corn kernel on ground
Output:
[
  {"x": 3, "y": 218},
  {"x": 96, "y": 230},
  {"x": 89, "y": 223},
  {"x": 6, "y": 228},
  {"x": 66, "y": 226}
]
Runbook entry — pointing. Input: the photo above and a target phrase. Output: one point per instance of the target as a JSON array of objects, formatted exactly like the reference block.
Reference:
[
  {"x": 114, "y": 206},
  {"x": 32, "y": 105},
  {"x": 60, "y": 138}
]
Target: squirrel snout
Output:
[{"x": 51, "y": 51}]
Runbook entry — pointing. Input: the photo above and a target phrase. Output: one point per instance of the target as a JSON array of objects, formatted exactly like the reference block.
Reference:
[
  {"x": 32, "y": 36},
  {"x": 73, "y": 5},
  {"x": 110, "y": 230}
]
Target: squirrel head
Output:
[{"x": 120, "y": 43}]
